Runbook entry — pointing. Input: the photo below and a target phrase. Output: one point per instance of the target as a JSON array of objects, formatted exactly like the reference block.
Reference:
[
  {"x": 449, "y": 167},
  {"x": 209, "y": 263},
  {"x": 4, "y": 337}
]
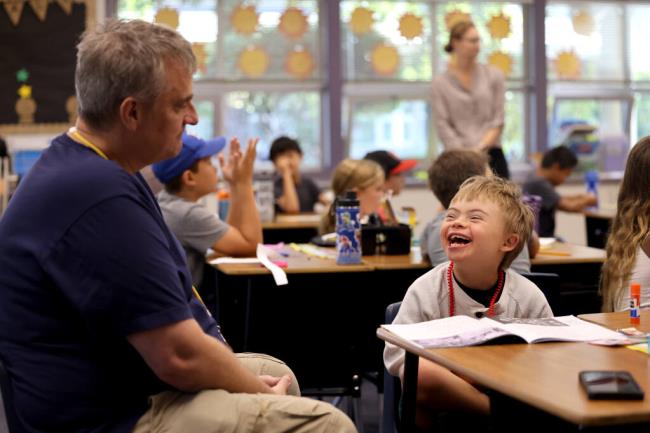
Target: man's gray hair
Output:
[{"x": 122, "y": 59}]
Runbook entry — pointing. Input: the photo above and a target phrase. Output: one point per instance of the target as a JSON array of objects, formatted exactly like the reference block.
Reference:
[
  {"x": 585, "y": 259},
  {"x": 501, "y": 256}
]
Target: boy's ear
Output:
[
  {"x": 188, "y": 178},
  {"x": 510, "y": 243}
]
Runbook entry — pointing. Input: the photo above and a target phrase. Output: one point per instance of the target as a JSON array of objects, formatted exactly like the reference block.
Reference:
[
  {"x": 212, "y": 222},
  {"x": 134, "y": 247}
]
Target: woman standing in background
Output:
[{"x": 468, "y": 99}]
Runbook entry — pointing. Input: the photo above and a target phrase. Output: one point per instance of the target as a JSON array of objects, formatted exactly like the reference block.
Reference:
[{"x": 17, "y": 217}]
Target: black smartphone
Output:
[{"x": 610, "y": 385}]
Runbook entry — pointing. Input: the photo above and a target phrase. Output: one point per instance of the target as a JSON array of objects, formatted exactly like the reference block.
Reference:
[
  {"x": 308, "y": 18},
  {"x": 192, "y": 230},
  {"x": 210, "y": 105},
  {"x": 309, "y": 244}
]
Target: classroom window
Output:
[
  {"x": 507, "y": 38},
  {"x": 403, "y": 126},
  {"x": 598, "y": 75},
  {"x": 285, "y": 30},
  {"x": 640, "y": 116},
  {"x": 259, "y": 67},
  {"x": 197, "y": 22},
  {"x": 205, "y": 127},
  {"x": 513, "y": 140},
  {"x": 585, "y": 41},
  {"x": 638, "y": 35},
  {"x": 400, "y": 99},
  {"x": 268, "y": 115},
  {"x": 376, "y": 34}
]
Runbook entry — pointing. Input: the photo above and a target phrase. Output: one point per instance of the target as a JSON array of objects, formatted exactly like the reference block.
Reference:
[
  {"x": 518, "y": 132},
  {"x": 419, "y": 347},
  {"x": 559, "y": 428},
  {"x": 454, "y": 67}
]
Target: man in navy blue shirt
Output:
[{"x": 100, "y": 328}]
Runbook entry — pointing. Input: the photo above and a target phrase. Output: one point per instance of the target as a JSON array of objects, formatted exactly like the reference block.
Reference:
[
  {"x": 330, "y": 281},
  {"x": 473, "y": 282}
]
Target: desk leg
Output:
[
  {"x": 409, "y": 390},
  {"x": 247, "y": 311}
]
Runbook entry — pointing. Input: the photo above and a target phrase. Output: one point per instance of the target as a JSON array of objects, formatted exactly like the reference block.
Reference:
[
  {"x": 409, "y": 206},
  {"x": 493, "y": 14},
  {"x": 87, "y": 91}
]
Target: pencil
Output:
[{"x": 554, "y": 253}]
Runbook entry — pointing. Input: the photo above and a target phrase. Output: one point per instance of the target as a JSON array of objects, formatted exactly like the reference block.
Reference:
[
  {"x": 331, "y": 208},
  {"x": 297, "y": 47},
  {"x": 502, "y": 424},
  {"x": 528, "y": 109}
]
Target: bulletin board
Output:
[{"x": 38, "y": 40}]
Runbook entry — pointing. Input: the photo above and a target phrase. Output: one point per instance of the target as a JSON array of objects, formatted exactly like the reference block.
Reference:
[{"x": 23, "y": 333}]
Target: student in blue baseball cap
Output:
[{"x": 191, "y": 175}]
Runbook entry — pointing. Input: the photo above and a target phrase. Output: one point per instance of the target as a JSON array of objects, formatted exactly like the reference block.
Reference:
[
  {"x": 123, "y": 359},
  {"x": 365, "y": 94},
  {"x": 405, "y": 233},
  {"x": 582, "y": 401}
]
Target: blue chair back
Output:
[{"x": 392, "y": 385}]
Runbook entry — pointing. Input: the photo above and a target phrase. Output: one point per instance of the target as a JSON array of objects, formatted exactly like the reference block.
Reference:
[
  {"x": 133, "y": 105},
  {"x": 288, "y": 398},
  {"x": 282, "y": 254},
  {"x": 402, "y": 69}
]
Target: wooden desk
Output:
[
  {"x": 579, "y": 276},
  {"x": 337, "y": 306},
  {"x": 291, "y": 228},
  {"x": 600, "y": 213},
  {"x": 543, "y": 376},
  {"x": 297, "y": 263},
  {"x": 568, "y": 254},
  {"x": 408, "y": 261},
  {"x": 619, "y": 320},
  {"x": 291, "y": 221}
]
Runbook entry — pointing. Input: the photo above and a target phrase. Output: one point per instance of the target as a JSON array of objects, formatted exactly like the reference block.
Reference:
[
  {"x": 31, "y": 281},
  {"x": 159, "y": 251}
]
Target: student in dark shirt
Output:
[
  {"x": 557, "y": 165},
  {"x": 293, "y": 192},
  {"x": 100, "y": 327}
]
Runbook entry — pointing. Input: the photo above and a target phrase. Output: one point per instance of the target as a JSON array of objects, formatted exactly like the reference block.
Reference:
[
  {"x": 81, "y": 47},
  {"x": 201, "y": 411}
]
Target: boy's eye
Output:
[{"x": 475, "y": 218}]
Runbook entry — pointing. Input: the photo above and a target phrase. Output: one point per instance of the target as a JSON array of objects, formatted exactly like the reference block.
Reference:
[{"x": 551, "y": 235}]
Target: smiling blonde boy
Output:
[{"x": 485, "y": 227}]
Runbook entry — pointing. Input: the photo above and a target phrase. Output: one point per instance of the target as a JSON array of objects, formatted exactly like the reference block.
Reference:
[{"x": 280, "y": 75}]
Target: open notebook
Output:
[{"x": 459, "y": 331}]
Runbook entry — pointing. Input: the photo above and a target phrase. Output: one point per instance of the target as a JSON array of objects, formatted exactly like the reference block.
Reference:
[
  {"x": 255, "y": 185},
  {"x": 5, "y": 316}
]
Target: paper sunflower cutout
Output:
[
  {"x": 66, "y": 5},
  {"x": 168, "y": 17},
  {"x": 293, "y": 23},
  {"x": 299, "y": 63},
  {"x": 14, "y": 9},
  {"x": 40, "y": 8},
  {"x": 454, "y": 17},
  {"x": 410, "y": 25},
  {"x": 198, "y": 49},
  {"x": 253, "y": 62},
  {"x": 499, "y": 26},
  {"x": 384, "y": 59},
  {"x": 502, "y": 61},
  {"x": 583, "y": 22},
  {"x": 244, "y": 19},
  {"x": 361, "y": 20},
  {"x": 567, "y": 65}
]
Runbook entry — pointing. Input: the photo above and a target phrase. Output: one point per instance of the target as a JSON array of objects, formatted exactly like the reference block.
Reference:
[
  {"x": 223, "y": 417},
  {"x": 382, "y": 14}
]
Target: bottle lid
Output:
[
  {"x": 348, "y": 199},
  {"x": 223, "y": 194},
  {"x": 635, "y": 289}
]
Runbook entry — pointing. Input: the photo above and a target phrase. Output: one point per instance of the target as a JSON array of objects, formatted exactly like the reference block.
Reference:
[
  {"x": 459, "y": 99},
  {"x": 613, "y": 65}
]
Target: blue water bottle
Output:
[
  {"x": 591, "y": 181},
  {"x": 348, "y": 229}
]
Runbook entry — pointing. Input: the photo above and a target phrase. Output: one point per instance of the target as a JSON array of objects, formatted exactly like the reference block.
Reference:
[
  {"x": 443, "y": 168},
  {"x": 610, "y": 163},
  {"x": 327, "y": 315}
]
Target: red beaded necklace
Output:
[{"x": 450, "y": 285}]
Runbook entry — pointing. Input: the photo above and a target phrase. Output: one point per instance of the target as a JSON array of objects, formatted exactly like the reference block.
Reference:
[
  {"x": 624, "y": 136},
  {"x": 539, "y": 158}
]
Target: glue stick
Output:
[{"x": 635, "y": 303}]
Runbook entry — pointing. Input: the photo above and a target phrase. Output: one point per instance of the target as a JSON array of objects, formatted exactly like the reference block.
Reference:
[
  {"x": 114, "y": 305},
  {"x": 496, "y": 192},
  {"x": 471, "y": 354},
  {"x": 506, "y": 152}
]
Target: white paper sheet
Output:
[{"x": 279, "y": 275}]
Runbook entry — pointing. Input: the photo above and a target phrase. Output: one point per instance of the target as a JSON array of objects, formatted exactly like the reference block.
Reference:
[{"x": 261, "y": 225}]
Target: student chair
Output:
[
  {"x": 392, "y": 385},
  {"x": 549, "y": 284},
  {"x": 8, "y": 419}
]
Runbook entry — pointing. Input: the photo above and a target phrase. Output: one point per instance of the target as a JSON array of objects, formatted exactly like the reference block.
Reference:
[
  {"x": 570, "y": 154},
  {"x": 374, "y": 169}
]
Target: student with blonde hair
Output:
[
  {"x": 446, "y": 174},
  {"x": 628, "y": 243},
  {"x": 485, "y": 228},
  {"x": 362, "y": 176}
]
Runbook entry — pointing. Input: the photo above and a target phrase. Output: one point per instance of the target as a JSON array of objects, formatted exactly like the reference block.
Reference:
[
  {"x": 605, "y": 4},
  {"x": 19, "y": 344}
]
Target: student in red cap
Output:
[{"x": 394, "y": 169}]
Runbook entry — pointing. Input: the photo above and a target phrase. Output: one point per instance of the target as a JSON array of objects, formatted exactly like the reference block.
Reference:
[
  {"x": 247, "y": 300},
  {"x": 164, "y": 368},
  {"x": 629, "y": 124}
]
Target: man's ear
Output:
[
  {"x": 510, "y": 243},
  {"x": 129, "y": 113}
]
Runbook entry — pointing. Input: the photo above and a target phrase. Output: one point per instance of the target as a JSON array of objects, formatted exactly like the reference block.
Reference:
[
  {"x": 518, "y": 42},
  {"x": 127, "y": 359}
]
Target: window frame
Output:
[{"x": 336, "y": 92}]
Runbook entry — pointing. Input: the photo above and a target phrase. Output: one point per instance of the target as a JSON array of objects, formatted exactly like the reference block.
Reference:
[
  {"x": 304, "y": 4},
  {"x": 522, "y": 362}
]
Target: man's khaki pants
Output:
[{"x": 213, "y": 411}]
